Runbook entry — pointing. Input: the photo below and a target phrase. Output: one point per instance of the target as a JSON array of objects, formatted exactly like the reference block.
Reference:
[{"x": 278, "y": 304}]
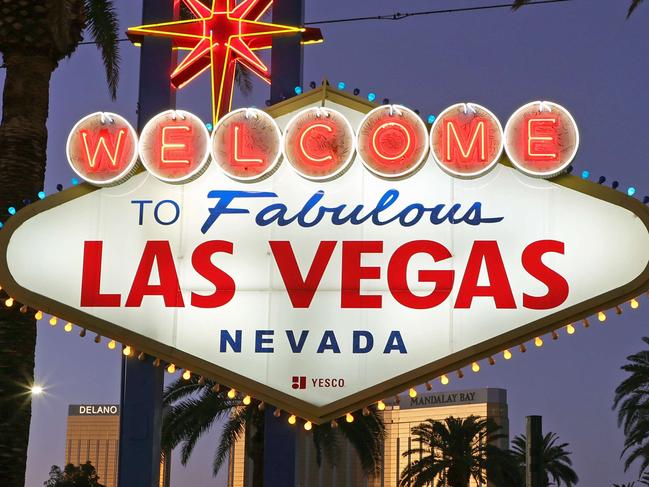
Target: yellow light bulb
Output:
[
  {"x": 570, "y": 329},
  {"x": 171, "y": 368},
  {"x": 68, "y": 327},
  {"x": 38, "y": 315},
  {"x": 601, "y": 316},
  {"x": 475, "y": 366},
  {"x": 380, "y": 406},
  {"x": 112, "y": 344},
  {"x": 538, "y": 342},
  {"x": 349, "y": 418},
  {"x": 232, "y": 393},
  {"x": 53, "y": 321},
  {"x": 412, "y": 392},
  {"x": 308, "y": 425},
  {"x": 507, "y": 355},
  {"x": 292, "y": 419},
  {"x": 444, "y": 380},
  {"x": 187, "y": 375},
  {"x": 247, "y": 400},
  {"x": 9, "y": 302},
  {"x": 635, "y": 304},
  {"x": 127, "y": 351}
]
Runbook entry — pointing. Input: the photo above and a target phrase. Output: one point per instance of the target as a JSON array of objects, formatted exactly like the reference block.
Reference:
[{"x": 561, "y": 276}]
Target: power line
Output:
[{"x": 401, "y": 16}]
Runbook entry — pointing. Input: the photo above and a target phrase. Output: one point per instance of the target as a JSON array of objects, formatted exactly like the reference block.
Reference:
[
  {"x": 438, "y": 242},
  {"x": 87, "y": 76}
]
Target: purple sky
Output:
[{"x": 582, "y": 54}]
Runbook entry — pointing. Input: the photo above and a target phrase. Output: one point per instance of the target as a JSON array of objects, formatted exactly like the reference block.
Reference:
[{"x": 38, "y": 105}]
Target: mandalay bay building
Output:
[{"x": 399, "y": 419}]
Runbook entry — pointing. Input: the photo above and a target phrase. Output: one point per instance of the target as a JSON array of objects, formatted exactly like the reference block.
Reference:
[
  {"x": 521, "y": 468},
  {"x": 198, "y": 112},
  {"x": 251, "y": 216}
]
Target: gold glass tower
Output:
[
  {"x": 93, "y": 435},
  {"x": 399, "y": 420}
]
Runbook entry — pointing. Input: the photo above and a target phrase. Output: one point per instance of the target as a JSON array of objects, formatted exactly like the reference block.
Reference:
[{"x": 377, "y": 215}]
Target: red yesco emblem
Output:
[{"x": 218, "y": 38}]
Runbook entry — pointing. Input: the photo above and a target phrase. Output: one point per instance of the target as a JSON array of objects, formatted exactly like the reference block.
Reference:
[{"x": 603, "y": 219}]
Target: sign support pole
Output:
[
  {"x": 534, "y": 452},
  {"x": 280, "y": 438},
  {"x": 286, "y": 57},
  {"x": 142, "y": 383}
]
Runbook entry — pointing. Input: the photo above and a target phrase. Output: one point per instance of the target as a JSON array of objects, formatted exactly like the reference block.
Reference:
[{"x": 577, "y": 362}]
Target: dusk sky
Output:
[{"x": 582, "y": 54}]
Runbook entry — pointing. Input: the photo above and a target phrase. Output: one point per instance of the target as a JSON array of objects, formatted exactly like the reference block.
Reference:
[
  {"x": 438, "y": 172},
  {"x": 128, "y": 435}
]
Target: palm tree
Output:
[
  {"x": 632, "y": 402},
  {"x": 195, "y": 405},
  {"x": 34, "y": 36},
  {"x": 556, "y": 460},
  {"x": 634, "y": 4},
  {"x": 452, "y": 452},
  {"x": 83, "y": 475}
]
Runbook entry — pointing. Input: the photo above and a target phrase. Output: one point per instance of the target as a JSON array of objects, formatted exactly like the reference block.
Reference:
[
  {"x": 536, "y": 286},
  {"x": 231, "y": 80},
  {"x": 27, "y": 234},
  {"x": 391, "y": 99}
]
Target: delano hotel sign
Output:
[{"x": 327, "y": 253}]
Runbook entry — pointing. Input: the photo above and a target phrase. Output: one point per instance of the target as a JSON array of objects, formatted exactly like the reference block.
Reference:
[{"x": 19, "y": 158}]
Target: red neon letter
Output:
[
  {"x": 477, "y": 146},
  {"x": 397, "y": 275},
  {"x": 313, "y": 146},
  {"x": 498, "y": 288},
  {"x": 179, "y": 143},
  {"x": 541, "y": 138},
  {"x": 396, "y": 144},
  {"x": 353, "y": 273},
  {"x": 91, "y": 278},
  {"x": 113, "y": 150},
  {"x": 301, "y": 291},
  {"x": 157, "y": 251},
  {"x": 240, "y": 139},
  {"x": 224, "y": 284},
  {"x": 557, "y": 286}
]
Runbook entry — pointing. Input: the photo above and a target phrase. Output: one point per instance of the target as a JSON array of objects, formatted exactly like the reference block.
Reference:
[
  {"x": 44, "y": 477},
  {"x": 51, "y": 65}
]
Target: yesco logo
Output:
[{"x": 301, "y": 382}]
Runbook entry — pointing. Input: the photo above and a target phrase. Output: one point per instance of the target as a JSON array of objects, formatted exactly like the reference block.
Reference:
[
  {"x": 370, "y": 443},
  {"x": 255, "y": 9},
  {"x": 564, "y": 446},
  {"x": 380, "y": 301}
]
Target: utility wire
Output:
[{"x": 401, "y": 16}]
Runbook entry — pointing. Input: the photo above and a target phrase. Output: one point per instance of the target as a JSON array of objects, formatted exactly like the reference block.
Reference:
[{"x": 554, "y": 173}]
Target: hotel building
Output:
[
  {"x": 399, "y": 420},
  {"x": 93, "y": 435}
]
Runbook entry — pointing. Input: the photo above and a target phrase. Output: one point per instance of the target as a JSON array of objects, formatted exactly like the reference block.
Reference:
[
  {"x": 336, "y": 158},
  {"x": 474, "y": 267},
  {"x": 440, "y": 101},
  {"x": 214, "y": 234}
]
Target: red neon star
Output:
[{"x": 218, "y": 38}]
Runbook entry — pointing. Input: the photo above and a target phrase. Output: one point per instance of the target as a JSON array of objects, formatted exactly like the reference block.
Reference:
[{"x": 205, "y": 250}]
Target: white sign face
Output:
[{"x": 320, "y": 297}]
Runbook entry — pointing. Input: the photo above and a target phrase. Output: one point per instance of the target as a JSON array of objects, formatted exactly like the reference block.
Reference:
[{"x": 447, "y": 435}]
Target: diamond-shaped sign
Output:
[{"x": 272, "y": 288}]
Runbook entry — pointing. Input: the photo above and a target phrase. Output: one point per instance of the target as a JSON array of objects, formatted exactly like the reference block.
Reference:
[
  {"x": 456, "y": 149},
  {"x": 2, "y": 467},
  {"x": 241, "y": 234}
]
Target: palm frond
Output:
[
  {"x": 366, "y": 434},
  {"x": 518, "y": 4},
  {"x": 102, "y": 23},
  {"x": 232, "y": 431},
  {"x": 243, "y": 79},
  {"x": 187, "y": 420},
  {"x": 632, "y": 7}
]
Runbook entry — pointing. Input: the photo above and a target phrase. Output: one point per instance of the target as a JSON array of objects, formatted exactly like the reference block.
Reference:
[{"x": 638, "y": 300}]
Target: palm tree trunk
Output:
[{"x": 23, "y": 142}]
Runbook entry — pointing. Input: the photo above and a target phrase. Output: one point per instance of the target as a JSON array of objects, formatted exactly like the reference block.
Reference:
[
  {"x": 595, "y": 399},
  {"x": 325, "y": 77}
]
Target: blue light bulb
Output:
[
  {"x": 371, "y": 96},
  {"x": 298, "y": 90},
  {"x": 431, "y": 119},
  {"x": 585, "y": 174},
  {"x": 1, "y": 225},
  {"x": 630, "y": 191},
  {"x": 75, "y": 181},
  {"x": 209, "y": 126},
  {"x": 41, "y": 195},
  {"x": 341, "y": 85},
  {"x": 11, "y": 210}
]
